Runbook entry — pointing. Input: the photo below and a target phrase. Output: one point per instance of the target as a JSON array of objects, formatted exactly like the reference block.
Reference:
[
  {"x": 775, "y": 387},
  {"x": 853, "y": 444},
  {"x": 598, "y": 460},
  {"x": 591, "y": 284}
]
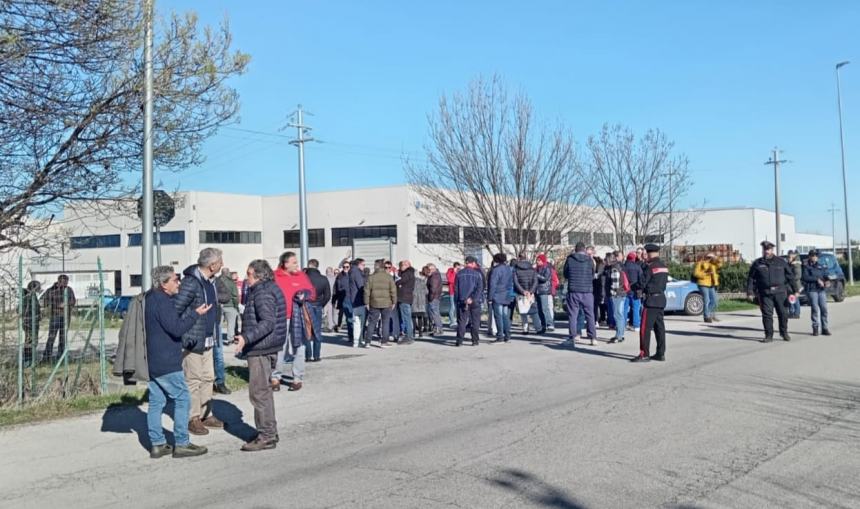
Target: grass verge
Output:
[
  {"x": 852, "y": 290},
  {"x": 735, "y": 305},
  {"x": 52, "y": 409}
]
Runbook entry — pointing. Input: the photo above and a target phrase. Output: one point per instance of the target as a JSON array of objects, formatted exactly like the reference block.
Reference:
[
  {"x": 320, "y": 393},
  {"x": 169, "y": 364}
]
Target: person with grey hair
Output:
[
  {"x": 164, "y": 328},
  {"x": 198, "y": 288},
  {"x": 263, "y": 335}
]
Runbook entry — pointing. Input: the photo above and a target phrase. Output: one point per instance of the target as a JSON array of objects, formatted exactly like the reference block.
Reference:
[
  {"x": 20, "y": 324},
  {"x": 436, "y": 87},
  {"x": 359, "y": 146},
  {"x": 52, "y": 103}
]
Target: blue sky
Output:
[{"x": 727, "y": 80}]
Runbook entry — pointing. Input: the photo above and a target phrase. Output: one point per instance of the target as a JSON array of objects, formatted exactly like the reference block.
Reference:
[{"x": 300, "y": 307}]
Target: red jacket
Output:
[
  {"x": 554, "y": 287},
  {"x": 290, "y": 283},
  {"x": 452, "y": 280}
]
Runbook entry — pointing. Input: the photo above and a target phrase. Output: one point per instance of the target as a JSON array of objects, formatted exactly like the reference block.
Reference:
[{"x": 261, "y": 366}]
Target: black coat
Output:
[
  {"x": 768, "y": 276},
  {"x": 406, "y": 286},
  {"x": 525, "y": 277},
  {"x": 192, "y": 294},
  {"x": 264, "y": 321},
  {"x": 654, "y": 284},
  {"x": 322, "y": 289}
]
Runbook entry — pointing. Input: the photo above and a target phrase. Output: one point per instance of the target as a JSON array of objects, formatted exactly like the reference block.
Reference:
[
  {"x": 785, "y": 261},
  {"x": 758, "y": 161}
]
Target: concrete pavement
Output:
[{"x": 725, "y": 422}]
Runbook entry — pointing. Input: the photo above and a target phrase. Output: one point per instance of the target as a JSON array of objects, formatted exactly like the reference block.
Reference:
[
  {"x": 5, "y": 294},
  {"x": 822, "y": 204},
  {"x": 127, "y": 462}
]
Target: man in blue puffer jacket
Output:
[
  {"x": 579, "y": 273},
  {"x": 264, "y": 332},
  {"x": 500, "y": 294},
  {"x": 468, "y": 294}
]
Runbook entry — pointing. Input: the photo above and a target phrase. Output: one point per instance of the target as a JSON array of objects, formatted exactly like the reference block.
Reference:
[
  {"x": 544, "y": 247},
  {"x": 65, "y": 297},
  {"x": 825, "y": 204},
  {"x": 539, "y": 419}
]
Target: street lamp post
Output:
[{"x": 844, "y": 177}]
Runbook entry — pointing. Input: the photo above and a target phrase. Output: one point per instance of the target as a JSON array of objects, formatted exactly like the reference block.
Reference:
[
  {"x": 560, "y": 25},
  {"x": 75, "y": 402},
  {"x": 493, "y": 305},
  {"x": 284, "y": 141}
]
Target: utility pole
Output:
[
  {"x": 844, "y": 177},
  {"x": 833, "y": 210},
  {"x": 63, "y": 254},
  {"x": 775, "y": 161},
  {"x": 147, "y": 219},
  {"x": 671, "y": 174},
  {"x": 299, "y": 142}
]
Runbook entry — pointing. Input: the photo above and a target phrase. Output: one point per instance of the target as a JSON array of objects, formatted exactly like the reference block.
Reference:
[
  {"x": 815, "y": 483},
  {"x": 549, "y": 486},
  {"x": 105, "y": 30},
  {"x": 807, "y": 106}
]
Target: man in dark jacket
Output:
[
  {"x": 405, "y": 296},
  {"x": 544, "y": 293},
  {"x": 198, "y": 288},
  {"x": 770, "y": 280},
  {"x": 31, "y": 314},
  {"x": 635, "y": 276},
  {"x": 654, "y": 300},
  {"x": 525, "y": 285},
  {"x": 434, "y": 296},
  {"x": 355, "y": 301},
  {"x": 164, "y": 328},
  {"x": 468, "y": 294},
  {"x": 322, "y": 291},
  {"x": 341, "y": 289},
  {"x": 579, "y": 273},
  {"x": 816, "y": 279},
  {"x": 60, "y": 301},
  {"x": 264, "y": 333},
  {"x": 500, "y": 294}
]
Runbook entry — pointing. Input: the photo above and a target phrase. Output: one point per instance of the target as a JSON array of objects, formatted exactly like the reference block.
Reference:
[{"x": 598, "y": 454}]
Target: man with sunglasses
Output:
[{"x": 341, "y": 288}]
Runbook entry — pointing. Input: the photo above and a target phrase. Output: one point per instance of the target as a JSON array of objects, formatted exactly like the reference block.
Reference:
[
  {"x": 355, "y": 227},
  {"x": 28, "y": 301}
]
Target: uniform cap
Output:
[
  {"x": 652, "y": 248},
  {"x": 767, "y": 244}
]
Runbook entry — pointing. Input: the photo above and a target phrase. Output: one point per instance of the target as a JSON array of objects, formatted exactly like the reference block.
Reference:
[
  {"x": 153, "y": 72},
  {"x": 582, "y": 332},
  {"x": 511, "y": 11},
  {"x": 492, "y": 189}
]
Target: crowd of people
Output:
[{"x": 285, "y": 310}]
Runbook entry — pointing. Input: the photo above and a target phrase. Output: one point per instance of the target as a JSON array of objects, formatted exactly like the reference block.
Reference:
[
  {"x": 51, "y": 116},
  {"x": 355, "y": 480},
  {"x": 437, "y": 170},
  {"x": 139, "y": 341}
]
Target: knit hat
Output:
[{"x": 631, "y": 256}]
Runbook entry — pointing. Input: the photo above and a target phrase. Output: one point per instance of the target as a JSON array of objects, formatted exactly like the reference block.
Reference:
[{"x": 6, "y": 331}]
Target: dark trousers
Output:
[
  {"x": 31, "y": 340},
  {"x": 577, "y": 302},
  {"x": 652, "y": 319},
  {"x": 260, "y": 369},
  {"x": 374, "y": 315},
  {"x": 768, "y": 303},
  {"x": 57, "y": 325},
  {"x": 312, "y": 347},
  {"x": 468, "y": 314}
]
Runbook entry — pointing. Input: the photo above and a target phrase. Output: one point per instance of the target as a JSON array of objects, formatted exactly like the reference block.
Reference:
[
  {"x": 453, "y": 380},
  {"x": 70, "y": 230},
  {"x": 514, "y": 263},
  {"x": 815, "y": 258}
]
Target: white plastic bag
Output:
[{"x": 524, "y": 303}]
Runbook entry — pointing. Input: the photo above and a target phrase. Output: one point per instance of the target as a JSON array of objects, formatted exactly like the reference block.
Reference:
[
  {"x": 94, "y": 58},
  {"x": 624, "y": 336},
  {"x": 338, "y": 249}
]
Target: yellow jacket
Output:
[{"x": 707, "y": 273}]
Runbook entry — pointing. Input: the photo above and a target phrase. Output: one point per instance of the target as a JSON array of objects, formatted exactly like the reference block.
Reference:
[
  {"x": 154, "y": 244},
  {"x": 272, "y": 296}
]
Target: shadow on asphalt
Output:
[
  {"x": 534, "y": 491},
  {"x": 702, "y": 334},
  {"x": 587, "y": 351},
  {"x": 122, "y": 418},
  {"x": 234, "y": 424}
]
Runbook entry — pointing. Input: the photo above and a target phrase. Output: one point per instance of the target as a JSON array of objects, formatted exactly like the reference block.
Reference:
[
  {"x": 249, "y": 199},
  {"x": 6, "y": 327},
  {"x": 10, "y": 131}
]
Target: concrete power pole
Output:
[
  {"x": 775, "y": 161},
  {"x": 833, "y": 210},
  {"x": 671, "y": 175},
  {"x": 844, "y": 177},
  {"x": 299, "y": 142},
  {"x": 147, "y": 219}
]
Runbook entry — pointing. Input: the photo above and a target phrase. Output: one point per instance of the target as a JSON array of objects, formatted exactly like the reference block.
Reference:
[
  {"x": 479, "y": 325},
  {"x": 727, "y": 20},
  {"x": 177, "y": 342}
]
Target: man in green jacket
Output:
[{"x": 380, "y": 297}]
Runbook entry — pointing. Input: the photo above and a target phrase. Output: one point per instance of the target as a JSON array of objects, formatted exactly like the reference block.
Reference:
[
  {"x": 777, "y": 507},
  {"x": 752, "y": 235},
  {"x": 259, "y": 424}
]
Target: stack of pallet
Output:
[{"x": 695, "y": 253}]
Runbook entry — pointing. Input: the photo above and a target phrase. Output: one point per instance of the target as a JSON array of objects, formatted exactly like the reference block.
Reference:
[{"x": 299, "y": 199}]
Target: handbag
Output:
[{"x": 524, "y": 303}]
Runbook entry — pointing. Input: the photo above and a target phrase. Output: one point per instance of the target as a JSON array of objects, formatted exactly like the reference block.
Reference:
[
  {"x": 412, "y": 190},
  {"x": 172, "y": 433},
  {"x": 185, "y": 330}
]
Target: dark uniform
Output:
[
  {"x": 770, "y": 280},
  {"x": 653, "y": 305}
]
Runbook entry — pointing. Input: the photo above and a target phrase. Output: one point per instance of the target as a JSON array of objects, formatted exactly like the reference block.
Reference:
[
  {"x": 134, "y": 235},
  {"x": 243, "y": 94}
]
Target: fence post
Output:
[
  {"x": 67, "y": 317},
  {"x": 20, "y": 330},
  {"x": 101, "y": 315}
]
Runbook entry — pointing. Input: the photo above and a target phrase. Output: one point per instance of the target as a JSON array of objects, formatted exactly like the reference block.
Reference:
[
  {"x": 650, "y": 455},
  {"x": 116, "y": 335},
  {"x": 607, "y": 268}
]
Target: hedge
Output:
[{"x": 733, "y": 276}]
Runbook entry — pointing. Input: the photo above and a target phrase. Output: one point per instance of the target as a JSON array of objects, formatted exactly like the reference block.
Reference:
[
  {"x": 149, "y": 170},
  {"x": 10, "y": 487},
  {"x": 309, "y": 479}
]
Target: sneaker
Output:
[
  {"x": 258, "y": 444},
  {"x": 159, "y": 451},
  {"x": 213, "y": 422},
  {"x": 187, "y": 451},
  {"x": 613, "y": 340},
  {"x": 196, "y": 427},
  {"x": 814, "y": 331},
  {"x": 221, "y": 389},
  {"x": 786, "y": 337}
]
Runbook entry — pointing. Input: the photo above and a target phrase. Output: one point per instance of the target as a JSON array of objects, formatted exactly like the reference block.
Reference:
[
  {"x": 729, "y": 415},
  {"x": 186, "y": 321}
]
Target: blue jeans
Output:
[
  {"x": 545, "y": 311},
  {"x": 312, "y": 348},
  {"x": 818, "y": 301},
  {"x": 171, "y": 385},
  {"x": 405, "y": 310},
  {"x": 709, "y": 295},
  {"x": 435, "y": 315},
  {"x": 452, "y": 314},
  {"x": 619, "y": 305},
  {"x": 609, "y": 302},
  {"x": 503, "y": 321},
  {"x": 218, "y": 357},
  {"x": 794, "y": 309},
  {"x": 632, "y": 300}
]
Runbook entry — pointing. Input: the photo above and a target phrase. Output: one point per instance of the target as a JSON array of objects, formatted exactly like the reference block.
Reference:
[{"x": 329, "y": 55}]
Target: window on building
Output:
[
  {"x": 344, "y": 236},
  {"x": 574, "y": 237},
  {"x": 167, "y": 238},
  {"x": 135, "y": 280},
  {"x": 316, "y": 237},
  {"x": 94, "y": 241},
  {"x": 782, "y": 237},
  {"x": 432, "y": 234},
  {"x": 550, "y": 237},
  {"x": 628, "y": 238},
  {"x": 229, "y": 237},
  {"x": 651, "y": 239},
  {"x": 480, "y": 236},
  {"x": 514, "y": 236},
  {"x": 604, "y": 239}
]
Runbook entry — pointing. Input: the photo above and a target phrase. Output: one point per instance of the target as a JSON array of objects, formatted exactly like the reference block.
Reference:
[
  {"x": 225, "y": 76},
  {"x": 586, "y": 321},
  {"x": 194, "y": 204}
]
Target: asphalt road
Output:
[{"x": 725, "y": 422}]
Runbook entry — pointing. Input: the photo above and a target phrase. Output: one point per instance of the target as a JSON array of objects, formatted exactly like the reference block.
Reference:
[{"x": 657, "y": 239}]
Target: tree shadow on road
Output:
[
  {"x": 702, "y": 334},
  {"x": 535, "y": 491}
]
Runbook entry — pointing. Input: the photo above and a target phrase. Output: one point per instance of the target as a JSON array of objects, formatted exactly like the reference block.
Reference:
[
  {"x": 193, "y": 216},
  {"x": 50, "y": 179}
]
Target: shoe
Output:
[
  {"x": 188, "y": 451},
  {"x": 613, "y": 340},
  {"x": 569, "y": 342},
  {"x": 714, "y": 319},
  {"x": 497, "y": 341},
  {"x": 767, "y": 339},
  {"x": 641, "y": 358},
  {"x": 786, "y": 337},
  {"x": 475, "y": 343},
  {"x": 459, "y": 342},
  {"x": 541, "y": 332},
  {"x": 660, "y": 358},
  {"x": 407, "y": 341},
  {"x": 630, "y": 328},
  {"x": 213, "y": 422},
  {"x": 196, "y": 427},
  {"x": 160, "y": 451},
  {"x": 295, "y": 386},
  {"x": 316, "y": 359},
  {"x": 507, "y": 339},
  {"x": 275, "y": 385},
  {"x": 259, "y": 444},
  {"x": 814, "y": 331},
  {"x": 826, "y": 332},
  {"x": 709, "y": 320},
  {"x": 591, "y": 342},
  {"x": 336, "y": 329},
  {"x": 620, "y": 340},
  {"x": 364, "y": 344},
  {"x": 221, "y": 389},
  {"x": 309, "y": 359}
]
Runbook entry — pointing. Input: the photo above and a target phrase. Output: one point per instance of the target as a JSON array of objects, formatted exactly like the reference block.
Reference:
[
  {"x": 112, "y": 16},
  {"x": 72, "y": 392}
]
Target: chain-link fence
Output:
[{"x": 52, "y": 336}]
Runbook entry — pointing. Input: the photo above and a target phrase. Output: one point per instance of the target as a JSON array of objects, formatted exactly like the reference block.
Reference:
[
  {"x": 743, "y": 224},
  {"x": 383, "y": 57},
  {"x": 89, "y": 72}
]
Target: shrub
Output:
[{"x": 733, "y": 276}]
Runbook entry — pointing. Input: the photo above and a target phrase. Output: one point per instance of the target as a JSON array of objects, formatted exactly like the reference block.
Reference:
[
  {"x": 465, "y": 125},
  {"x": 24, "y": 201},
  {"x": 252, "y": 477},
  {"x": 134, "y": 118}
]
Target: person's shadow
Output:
[{"x": 233, "y": 422}]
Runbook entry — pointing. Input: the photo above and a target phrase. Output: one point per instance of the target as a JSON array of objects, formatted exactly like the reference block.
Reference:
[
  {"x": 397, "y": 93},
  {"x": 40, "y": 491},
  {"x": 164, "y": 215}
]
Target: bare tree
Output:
[
  {"x": 636, "y": 183},
  {"x": 71, "y": 118},
  {"x": 494, "y": 170}
]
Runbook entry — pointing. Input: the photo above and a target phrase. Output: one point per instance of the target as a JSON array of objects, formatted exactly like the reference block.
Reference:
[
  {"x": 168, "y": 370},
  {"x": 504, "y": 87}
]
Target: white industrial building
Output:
[{"x": 246, "y": 227}]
